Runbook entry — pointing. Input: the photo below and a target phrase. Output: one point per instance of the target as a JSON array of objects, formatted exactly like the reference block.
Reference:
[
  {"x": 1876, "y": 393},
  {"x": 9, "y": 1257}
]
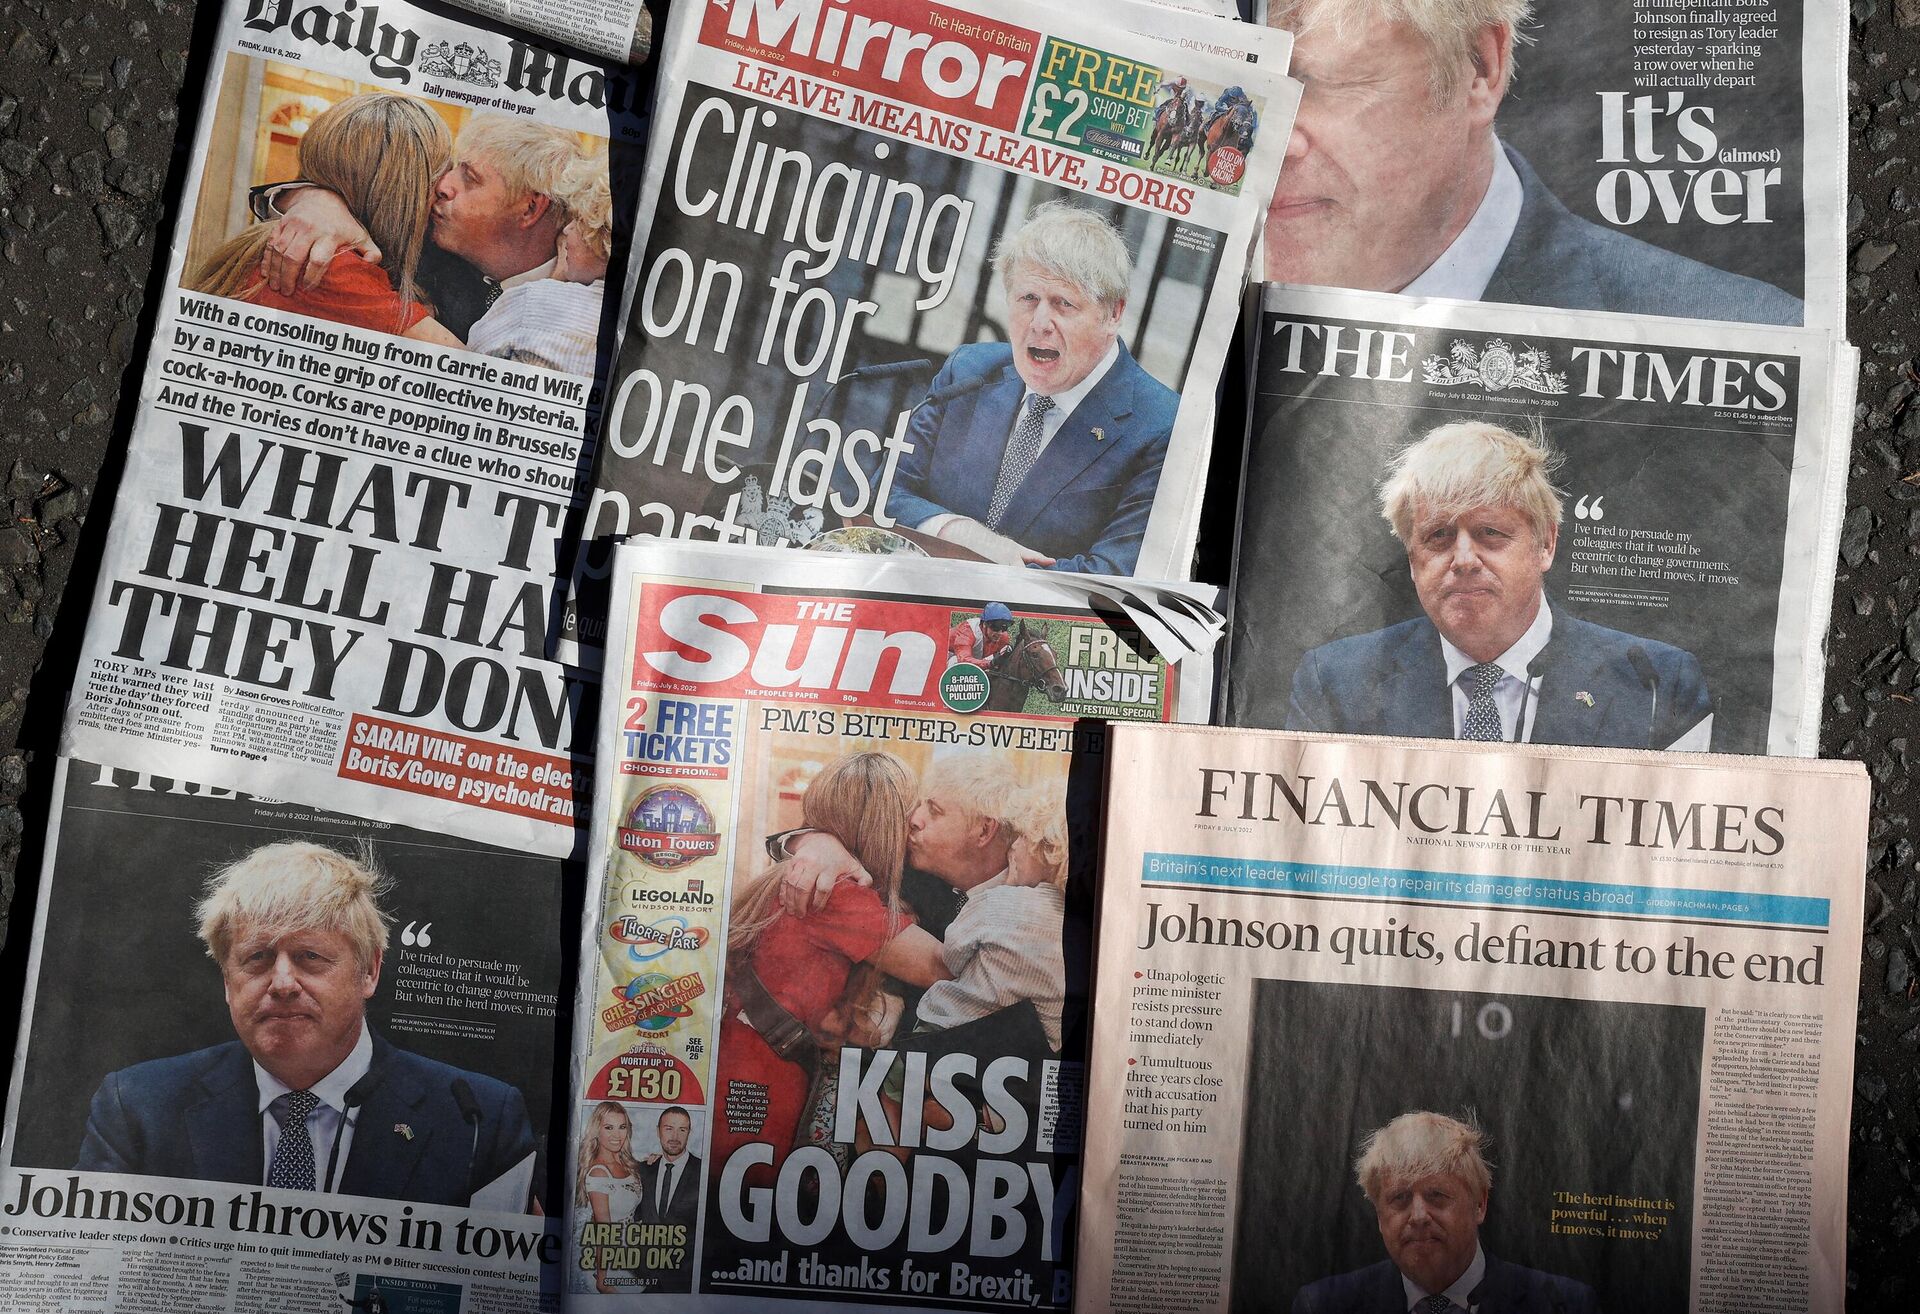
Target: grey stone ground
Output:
[{"x": 91, "y": 159}]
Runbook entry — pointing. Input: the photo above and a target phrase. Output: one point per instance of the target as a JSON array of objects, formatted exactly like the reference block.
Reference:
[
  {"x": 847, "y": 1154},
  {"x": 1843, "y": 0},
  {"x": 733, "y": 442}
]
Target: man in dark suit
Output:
[
  {"x": 1493, "y": 658},
  {"x": 1395, "y": 180},
  {"x": 670, "y": 1194},
  {"x": 1045, "y": 450},
  {"x": 670, "y": 1180},
  {"x": 1426, "y": 1176},
  {"x": 307, "y": 1098}
]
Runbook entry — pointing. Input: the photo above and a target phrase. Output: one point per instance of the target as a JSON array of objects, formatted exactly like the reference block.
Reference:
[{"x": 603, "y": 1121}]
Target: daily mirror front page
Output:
[
  {"x": 198, "y": 957},
  {"x": 872, "y": 1099},
  {"x": 330, "y": 573},
  {"x": 822, "y": 339},
  {"x": 1630, "y": 527},
  {"x": 1571, "y": 1030}
]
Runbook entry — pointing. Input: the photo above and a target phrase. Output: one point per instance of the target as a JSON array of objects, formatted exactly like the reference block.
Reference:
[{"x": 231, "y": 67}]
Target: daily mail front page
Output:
[
  {"x": 822, "y": 342},
  {"x": 1326, "y": 963},
  {"x": 331, "y": 567},
  {"x": 871, "y": 1097}
]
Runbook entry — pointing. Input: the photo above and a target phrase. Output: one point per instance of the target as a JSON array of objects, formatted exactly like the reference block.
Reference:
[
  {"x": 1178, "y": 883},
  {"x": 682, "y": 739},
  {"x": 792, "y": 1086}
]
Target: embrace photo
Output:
[{"x": 395, "y": 214}]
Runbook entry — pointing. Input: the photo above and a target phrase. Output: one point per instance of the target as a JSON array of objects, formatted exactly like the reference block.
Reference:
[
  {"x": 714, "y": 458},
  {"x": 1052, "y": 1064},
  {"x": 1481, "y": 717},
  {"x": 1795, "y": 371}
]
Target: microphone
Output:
[
  {"x": 1526, "y": 696},
  {"x": 470, "y": 1112},
  {"x": 356, "y": 1096},
  {"x": 964, "y": 387},
  {"x": 1643, "y": 667},
  {"x": 884, "y": 371}
]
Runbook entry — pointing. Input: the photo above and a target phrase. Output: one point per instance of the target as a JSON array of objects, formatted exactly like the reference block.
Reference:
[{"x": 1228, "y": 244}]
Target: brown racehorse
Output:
[
  {"x": 1169, "y": 126},
  {"x": 1190, "y": 152},
  {"x": 1028, "y": 664},
  {"x": 1235, "y": 130}
]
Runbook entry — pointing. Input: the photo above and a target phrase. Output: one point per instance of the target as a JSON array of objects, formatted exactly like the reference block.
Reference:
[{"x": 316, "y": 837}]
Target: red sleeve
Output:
[
  {"x": 853, "y": 923},
  {"x": 353, "y": 292}
]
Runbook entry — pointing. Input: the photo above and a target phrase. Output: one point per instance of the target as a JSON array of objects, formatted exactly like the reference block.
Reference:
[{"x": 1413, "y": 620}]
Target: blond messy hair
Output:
[
  {"x": 1467, "y": 464},
  {"x": 1073, "y": 244},
  {"x": 979, "y": 783},
  {"x": 282, "y": 889},
  {"x": 531, "y": 157},
  {"x": 1422, "y": 1144},
  {"x": 585, "y": 193},
  {"x": 1447, "y": 28},
  {"x": 1040, "y": 815}
]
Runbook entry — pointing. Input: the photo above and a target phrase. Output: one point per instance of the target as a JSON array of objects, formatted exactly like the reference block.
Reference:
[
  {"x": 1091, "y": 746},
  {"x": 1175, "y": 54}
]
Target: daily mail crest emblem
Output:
[
  {"x": 463, "y": 63},
  {"x": 1496, "y": 368}
]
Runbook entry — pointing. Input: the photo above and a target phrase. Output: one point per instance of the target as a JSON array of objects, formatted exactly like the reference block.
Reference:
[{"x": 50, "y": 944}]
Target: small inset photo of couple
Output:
[
  {"x": 395, "y": 214},
  {"x": 637, "y": 1164}
]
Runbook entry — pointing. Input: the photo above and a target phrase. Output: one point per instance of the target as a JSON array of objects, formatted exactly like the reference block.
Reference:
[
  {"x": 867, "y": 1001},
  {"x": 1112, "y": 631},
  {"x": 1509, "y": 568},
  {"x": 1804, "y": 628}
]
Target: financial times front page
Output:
[
  {"x": 331, "y": 566},
  {"x": 873, "y": 1099},
  {"x": 1593, "y": 1010}
]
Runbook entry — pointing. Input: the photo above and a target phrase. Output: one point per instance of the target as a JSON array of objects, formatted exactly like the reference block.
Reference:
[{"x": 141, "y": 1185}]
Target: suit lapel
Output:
[
  {"x": 1576, "y": 696},
  {"x": 1414, "y": 696},
  {"x": 1076, "y": 446},
  {"x": 390, "y": 1138},
  {"x": 224, "y": 1127},
  {"x": 684, "y": 1183}
]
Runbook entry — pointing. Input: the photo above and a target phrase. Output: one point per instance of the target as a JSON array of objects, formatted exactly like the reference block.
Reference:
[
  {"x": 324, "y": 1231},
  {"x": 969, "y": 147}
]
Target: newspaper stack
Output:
[
  {"x": 1578, "y": 479},
  {"x": 323, "y": 763}
]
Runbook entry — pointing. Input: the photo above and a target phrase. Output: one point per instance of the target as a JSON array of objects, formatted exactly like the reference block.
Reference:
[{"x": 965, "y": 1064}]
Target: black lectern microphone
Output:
[
  {"x": 1643, "y": 667},
  {"x": 356, "y": 1096},
  {"x": 1526, "y": 697},
  {"x": 469, "y": 1110}
]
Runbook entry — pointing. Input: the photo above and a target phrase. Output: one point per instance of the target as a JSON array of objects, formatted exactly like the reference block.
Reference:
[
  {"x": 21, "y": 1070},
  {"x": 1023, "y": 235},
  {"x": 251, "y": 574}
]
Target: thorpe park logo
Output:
[
  {"x": 937, "y": 58},
  {"x": 752, "y": 645}
]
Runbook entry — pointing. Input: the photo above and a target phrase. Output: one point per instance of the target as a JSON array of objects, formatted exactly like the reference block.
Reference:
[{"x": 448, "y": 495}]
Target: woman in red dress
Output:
[
  {"x": 798, "y": 985},
  {"x": 381, "y": 154}
]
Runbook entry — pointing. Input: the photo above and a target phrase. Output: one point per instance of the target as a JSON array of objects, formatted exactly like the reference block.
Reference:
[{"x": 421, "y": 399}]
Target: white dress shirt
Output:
[
  {"x": 1511, "y": 691},
  {"x": 1050, "y": 424},
  {"x": 1462, "y": 1288},
  {"x": 330, "y": 1090},
  {"x": 1003, "y": 946},
  {"x": 1466, "y": 267},
  {"x": 541, "y": 320}
]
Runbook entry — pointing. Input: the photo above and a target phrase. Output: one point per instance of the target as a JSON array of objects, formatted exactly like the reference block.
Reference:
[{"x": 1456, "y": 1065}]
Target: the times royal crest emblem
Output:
[
  {"x": 1496, "y": 367},
  {"x": 462, "y": 63}
]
